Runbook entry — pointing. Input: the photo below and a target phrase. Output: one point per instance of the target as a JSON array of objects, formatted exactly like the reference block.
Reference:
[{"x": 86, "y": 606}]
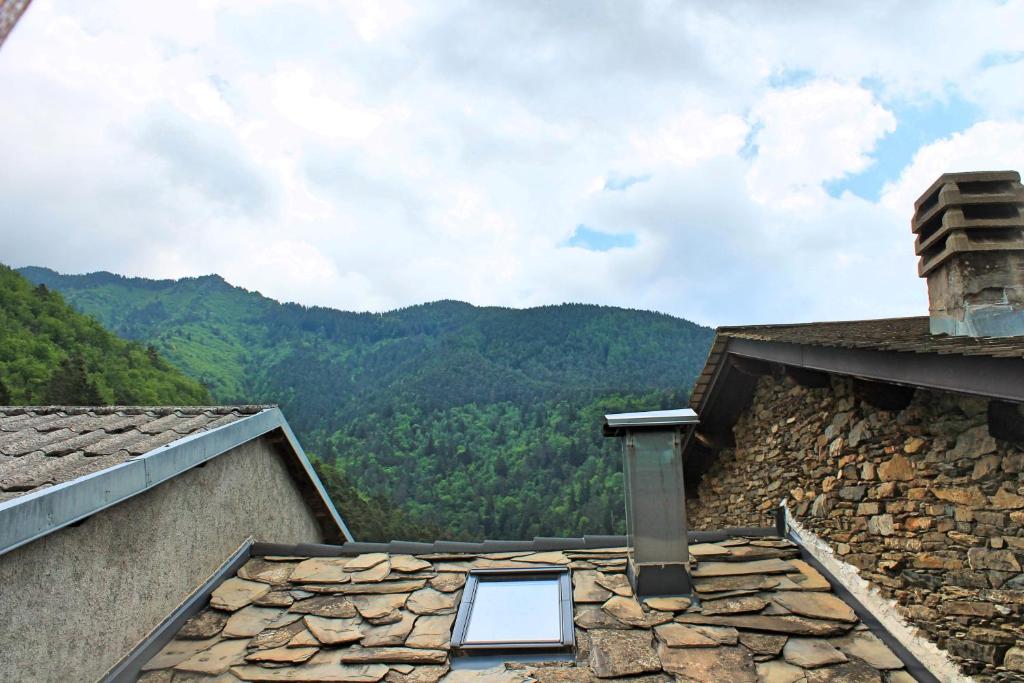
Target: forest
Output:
[
  {"x": 450, "y": 420},
  {"x": 51, "y": 354}
]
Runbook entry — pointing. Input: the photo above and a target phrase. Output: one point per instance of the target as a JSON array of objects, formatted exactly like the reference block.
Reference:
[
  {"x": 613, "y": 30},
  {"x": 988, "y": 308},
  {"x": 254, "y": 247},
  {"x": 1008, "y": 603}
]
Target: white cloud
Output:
[
  {"x": 986, "y": 146},
  {"x": 368, "y": 156},
  {"x": 807, "y": 135}
]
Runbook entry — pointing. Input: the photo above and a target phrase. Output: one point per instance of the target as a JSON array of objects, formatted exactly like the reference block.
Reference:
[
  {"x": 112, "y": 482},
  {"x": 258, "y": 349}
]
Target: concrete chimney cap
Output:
[{"x": 966, "y": 177}]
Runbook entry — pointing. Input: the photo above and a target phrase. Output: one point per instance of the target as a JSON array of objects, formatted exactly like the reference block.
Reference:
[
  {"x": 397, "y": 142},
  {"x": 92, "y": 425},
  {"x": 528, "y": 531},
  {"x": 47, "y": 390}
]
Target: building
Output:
[
  {"x": 111, "y": 518},
  {"x": 898, "y": 445},
  {"x": 843, "y": 504}
]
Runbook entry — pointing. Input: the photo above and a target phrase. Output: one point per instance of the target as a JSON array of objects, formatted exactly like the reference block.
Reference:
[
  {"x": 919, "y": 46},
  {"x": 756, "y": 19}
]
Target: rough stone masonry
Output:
[{"x": 923, "y": 501}]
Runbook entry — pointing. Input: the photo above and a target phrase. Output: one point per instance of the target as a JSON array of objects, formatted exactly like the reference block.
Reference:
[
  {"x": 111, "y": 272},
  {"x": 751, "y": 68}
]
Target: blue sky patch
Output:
[
  {"x": 1000, "y": 58},
  {"x": 916, "y": 126},
  {"x": 595, "y": 240},
  {"x": 616, "y": 183},
  {"x": 790, "y": 78}
]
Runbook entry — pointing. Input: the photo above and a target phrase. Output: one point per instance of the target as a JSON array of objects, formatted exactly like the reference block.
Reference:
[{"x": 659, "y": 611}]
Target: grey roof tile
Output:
[
  {"x": 46, "y": 445},
  {"x": 147, "y": 442},
  {"x": 29, "y": 440}
]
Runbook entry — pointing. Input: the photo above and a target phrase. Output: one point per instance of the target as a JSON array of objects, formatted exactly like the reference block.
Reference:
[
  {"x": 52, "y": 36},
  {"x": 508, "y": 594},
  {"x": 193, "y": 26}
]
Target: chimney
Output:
[
  {"x": 655, "y": 499},
  {"x": 970, "y": 237}
]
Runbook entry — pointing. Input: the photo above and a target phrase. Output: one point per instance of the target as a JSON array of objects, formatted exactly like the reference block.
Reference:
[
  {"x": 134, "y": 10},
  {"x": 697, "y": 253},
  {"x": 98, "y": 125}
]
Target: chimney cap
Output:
[
  {"x": 966, "y": 177},
  {"x": 615, "y": 423},
  {"x": 975, "y": 211}
]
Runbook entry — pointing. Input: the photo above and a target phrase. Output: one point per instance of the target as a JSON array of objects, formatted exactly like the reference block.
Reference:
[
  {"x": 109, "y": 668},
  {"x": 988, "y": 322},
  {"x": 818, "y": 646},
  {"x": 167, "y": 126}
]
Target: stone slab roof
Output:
[
  {"x": 45, "y": 445},
  {"x": 762, "y": 615}
]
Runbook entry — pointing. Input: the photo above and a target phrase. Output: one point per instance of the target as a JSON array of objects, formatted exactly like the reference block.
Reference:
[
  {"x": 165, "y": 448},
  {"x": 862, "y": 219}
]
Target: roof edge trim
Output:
[
  {"x": 27, "y": 518},
  {"x": 128, "y": 668}
]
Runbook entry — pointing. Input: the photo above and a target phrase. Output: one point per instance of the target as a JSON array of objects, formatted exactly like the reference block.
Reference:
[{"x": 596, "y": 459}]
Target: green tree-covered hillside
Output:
[
  {"x": 51, "y": 354},
  {"x": 481, "y": 422}
]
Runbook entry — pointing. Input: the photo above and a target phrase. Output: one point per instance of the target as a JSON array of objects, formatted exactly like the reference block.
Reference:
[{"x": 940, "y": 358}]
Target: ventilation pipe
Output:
[{"x": 655, "y": 498}]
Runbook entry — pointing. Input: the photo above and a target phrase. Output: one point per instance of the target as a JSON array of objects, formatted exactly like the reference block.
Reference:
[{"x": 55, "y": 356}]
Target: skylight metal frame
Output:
[{"x": 565, "y": 610}]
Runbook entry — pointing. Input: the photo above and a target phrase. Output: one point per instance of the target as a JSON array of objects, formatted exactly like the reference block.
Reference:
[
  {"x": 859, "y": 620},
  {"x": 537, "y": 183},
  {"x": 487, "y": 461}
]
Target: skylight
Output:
[{"x": 519, "y": 609}]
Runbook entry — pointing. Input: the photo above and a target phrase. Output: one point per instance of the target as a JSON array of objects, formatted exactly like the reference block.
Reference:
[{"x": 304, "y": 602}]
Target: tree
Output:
[
  {"x": 70, "y": 385},
  {"x": 5, "y": 394}
]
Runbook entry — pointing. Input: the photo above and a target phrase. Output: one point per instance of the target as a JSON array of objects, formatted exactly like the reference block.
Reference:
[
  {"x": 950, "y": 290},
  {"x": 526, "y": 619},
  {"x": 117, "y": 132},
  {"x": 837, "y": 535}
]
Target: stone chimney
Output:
[{"x": 970, "y": 237}]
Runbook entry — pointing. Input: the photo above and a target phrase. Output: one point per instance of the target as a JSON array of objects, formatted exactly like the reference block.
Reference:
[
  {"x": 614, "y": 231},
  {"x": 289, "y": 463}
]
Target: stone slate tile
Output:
[{"x": 27, "y": 441}]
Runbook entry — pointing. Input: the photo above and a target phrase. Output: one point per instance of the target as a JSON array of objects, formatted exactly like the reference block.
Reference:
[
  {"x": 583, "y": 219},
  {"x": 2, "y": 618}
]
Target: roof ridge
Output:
[
  {"x": 244, "y": 409},
  {"x": 777, "y": 326}
]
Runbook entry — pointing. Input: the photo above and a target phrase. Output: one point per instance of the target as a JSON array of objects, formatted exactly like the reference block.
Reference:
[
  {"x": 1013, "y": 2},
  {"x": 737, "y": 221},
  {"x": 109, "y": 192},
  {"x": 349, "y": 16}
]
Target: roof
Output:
[
  {"x": 761, "y": 611},
  {"x": 903, "y": 336},
  {"x": 43, "y": 446},
  {"x": 886, "y": 334},
  {"x": 60, "y": 464}
]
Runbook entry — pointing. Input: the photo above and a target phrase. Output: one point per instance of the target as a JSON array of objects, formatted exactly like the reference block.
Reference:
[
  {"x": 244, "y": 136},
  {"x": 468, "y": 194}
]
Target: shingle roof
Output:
[
  {"x": 762, "y": 612},
  {"x": 887, "y": 334},
  {"x": 45, "y": 445},
  {"x": 907, "y": 335}
]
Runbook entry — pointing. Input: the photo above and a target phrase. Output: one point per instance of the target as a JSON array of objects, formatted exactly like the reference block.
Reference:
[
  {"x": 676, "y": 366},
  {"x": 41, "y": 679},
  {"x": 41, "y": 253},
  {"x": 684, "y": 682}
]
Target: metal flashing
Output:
[
  {"x": 651, "y": 419},
  {"x": 38, "y": 513},
  {"x": 441, "y": 547},
  {"x": 868, "y": 617},
  {"x": 127, "y": 670}
]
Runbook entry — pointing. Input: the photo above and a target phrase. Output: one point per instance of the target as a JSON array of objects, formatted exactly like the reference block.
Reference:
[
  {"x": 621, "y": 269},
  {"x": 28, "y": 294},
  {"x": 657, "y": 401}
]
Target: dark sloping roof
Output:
[
  {"x": 46, "y": 445},
  {"x": 887, "y": 334},
  {"x": 901, "y": 335},
  {"x": 377, "y": 616}
]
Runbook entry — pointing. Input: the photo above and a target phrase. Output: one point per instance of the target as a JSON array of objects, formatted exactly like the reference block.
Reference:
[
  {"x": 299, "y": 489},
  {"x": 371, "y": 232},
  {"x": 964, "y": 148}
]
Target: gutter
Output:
[{"x": 34, "y": 515}]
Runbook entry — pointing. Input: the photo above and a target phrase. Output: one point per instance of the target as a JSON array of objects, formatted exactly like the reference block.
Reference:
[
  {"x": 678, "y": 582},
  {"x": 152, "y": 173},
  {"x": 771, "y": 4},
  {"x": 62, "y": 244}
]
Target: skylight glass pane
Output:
[{"x": 517, "y": 611}]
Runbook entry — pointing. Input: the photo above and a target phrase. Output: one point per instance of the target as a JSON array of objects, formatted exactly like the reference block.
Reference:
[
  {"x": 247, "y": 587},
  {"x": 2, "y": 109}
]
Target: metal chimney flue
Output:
[
  {"x": 970, "y": 237},
  {"x": 655, "y": 499}
]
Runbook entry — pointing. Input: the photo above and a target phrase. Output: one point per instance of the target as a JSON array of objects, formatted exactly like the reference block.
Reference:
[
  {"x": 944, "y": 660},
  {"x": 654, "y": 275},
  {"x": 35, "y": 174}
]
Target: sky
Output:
[{"x": 728, "y": 162}]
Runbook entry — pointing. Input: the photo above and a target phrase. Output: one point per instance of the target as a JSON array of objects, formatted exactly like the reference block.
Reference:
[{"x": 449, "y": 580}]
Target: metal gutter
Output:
[
  {"x": 36, "y": 514},
  {"x": 128, "y": 669}
]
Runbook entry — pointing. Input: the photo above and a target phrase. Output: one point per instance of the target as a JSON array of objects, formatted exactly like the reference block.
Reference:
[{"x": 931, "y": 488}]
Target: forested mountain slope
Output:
[
  {"x": 480, "y": 422},
  {"x": 51, "y": 354}
]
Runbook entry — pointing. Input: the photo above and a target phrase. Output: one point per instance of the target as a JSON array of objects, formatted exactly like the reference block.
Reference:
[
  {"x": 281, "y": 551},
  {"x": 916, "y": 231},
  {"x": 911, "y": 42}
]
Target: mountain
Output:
[
  {"x": 51, "y": 354},
  {"x": 476, "y": 421}
]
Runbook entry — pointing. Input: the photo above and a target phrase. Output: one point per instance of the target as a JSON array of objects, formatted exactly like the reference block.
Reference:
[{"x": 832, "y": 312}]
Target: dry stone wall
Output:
[{"x": 924, "y": 502}]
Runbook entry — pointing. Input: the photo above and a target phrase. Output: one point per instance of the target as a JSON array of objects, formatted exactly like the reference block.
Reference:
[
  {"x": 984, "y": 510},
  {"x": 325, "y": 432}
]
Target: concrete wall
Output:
[
  {"x": 924, "y": 502},
  {"x": 74, "y": 602}
]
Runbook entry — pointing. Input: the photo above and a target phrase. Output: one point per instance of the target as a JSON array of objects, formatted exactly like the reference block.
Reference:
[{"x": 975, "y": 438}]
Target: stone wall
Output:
[{"x": 923, "y": 501}]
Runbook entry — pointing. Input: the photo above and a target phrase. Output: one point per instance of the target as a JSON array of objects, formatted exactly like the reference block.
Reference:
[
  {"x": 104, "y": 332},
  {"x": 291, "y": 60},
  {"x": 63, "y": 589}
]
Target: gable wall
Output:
[
  {"x": 78, "y": 600},
  {"x": 924, "y": 502}
]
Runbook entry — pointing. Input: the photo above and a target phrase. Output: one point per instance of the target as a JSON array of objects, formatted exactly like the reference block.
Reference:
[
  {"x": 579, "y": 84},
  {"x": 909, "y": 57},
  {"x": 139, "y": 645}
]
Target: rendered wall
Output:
[
  {"x": 924, "y": 502},
  {"x": 74, "y": 602}
]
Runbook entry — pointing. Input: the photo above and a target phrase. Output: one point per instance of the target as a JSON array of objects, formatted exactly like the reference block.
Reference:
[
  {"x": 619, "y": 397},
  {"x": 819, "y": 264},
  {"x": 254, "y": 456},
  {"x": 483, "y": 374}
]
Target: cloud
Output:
[
  {"x": 370, "y": 156},
  {"x": 811, "y": 134},
  {"x": 988, "y": 146}
]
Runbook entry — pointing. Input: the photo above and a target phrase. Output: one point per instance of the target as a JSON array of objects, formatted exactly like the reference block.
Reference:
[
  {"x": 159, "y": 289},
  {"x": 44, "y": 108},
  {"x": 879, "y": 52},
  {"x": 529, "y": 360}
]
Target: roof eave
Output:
[{"x": 998, "y": 378}]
